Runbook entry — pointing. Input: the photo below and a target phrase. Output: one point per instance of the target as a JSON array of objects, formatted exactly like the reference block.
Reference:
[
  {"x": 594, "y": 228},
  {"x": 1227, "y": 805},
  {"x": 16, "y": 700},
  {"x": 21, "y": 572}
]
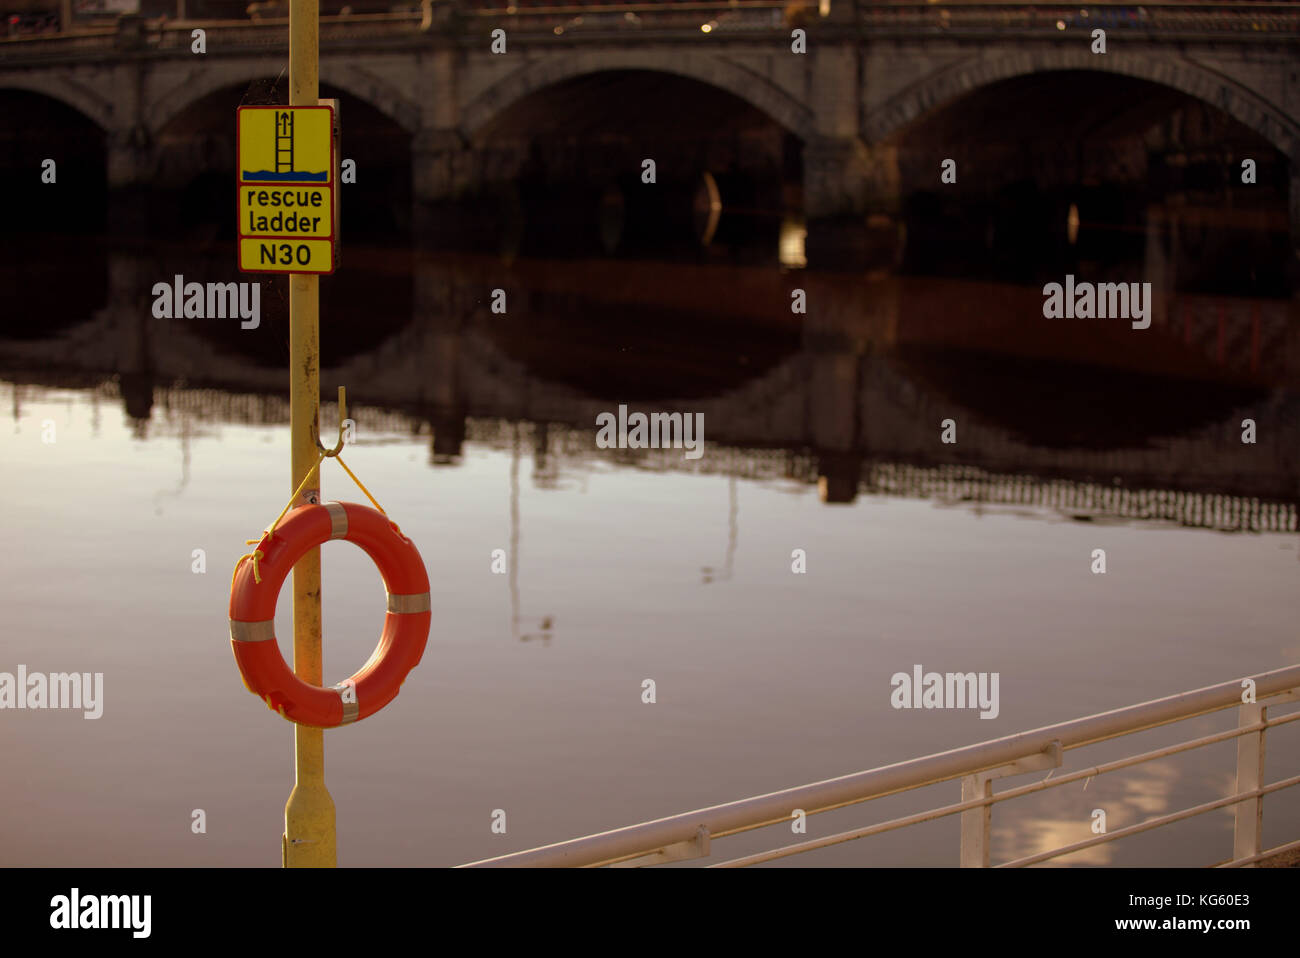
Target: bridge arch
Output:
[
  {"x": 193, "y": 86},
  {"x": 711, "y": 69},
  {"x": 1178, "y": 73},
  {"x": 61, "y": 87}
]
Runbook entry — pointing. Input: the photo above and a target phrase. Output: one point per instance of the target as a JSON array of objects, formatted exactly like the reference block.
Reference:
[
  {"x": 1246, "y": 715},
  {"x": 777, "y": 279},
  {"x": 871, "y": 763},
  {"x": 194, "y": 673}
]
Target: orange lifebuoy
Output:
[{"x": 252, "y": 615}]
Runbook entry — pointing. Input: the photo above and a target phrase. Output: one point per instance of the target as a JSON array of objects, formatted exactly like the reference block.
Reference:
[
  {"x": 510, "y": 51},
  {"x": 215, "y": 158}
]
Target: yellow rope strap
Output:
[{"x": 258, "y": 554}]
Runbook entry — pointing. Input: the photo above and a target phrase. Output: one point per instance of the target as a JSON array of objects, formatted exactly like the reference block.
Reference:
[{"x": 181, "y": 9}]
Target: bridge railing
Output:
[
  {"x": 693, "y": 18},
  {"x": 404, "y": 28},
  {"x": 1238, "y": 22},
  {"x": 691, "y": 835},
  {"x": 1169, "y": 20}
]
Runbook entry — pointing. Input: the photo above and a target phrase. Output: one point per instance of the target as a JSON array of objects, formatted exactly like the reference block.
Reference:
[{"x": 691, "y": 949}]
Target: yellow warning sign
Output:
[{"x": 286, "y": 189}]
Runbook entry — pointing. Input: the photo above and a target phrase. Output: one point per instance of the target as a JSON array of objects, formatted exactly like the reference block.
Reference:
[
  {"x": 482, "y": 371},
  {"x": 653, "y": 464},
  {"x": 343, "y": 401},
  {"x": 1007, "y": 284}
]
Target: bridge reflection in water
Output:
[{"x": 1083, "y": 419}]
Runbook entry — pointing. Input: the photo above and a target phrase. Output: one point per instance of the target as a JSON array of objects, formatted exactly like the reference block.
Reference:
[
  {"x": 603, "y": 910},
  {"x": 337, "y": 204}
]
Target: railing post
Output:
[
  {"x": 1248, "y": 830},
  {"x": 976, "y": 822}
]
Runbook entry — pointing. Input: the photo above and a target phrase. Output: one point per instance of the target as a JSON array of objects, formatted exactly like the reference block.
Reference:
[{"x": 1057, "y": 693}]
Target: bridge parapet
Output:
[
  {"x": 1253, "y": 23},
  {"x": 747, "y": 20},
  {"x": 1171, "y": 22}
]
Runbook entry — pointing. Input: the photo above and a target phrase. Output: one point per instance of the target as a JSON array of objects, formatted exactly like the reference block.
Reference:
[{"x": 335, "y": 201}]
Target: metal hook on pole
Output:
[{"x": 343, "y": 418}]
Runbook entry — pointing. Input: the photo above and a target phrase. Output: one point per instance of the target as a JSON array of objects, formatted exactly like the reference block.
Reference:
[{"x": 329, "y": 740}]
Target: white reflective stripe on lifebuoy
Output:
[
  {"x": 350, "y": 709},
  {"x": 338, "y": 520},
  {"x": 263, "y": 631},
  {"x": 408, "y": 602}
]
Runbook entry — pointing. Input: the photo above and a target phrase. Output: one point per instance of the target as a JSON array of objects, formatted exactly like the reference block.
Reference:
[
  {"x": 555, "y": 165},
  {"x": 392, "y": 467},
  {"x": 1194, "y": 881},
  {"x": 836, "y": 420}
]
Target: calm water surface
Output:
[{"x": 478, "y": 434}]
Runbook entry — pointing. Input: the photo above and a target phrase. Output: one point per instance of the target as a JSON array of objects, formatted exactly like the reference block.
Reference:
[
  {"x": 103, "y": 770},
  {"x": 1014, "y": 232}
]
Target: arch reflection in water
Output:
[{"x": 846, "y": 396}]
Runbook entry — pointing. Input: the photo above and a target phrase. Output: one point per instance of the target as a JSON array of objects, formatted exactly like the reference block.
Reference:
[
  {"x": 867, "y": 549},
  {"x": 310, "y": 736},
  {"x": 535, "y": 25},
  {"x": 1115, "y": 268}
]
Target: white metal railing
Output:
[{"x": 691, "y": 835}]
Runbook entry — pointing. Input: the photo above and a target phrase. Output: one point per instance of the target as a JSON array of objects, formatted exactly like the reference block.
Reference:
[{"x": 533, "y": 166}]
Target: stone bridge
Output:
[{"x": 869, "y": 71}]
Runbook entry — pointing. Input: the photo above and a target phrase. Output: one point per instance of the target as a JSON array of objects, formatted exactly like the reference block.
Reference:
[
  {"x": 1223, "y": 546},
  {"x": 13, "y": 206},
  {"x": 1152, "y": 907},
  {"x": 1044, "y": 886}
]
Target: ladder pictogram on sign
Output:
[{"x": 283, "y": 142}]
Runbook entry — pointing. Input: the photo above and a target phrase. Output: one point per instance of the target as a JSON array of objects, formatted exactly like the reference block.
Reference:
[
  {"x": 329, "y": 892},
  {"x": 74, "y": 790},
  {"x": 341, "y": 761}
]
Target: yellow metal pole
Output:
[{"x": 309, "y": 814}]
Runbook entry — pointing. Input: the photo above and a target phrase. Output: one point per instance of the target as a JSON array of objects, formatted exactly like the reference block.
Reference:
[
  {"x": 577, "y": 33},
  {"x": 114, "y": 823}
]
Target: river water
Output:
[{"x": 130, "y": 442}]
